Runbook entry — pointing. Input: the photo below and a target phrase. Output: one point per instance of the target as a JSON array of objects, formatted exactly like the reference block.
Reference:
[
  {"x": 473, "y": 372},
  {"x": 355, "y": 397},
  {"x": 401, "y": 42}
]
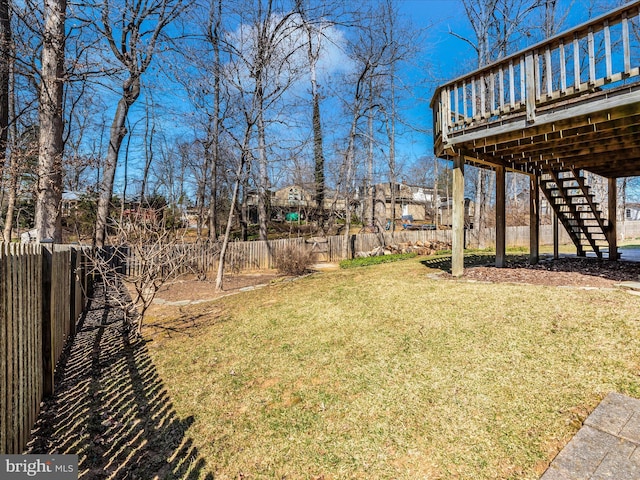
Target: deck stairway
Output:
[{"x": 571, "y": 199}]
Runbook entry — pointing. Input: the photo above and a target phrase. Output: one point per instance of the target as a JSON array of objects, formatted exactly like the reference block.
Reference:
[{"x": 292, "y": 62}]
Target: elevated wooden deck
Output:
[
  {"x": 567, "y": 104},
  {"x": 571, "y": 101}
]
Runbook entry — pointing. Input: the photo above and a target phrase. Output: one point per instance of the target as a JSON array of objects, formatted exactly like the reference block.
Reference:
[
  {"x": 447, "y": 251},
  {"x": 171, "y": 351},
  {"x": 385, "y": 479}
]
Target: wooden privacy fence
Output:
[
  {"x": 185, "y": 257},
  {"x": 519, "y": 236},
  {"x": 42, "y": 294},
  {"x": 261, "y": 255}
]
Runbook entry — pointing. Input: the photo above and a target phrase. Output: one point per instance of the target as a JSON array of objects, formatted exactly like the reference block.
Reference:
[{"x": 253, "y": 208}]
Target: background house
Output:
[
  {"x": 417, "y": 202},
  {"x": 632, "y": 211},
  {"x": 293, "y": 199}
]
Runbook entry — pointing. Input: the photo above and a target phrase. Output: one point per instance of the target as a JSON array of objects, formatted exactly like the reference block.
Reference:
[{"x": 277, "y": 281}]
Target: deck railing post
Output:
[
  {"x": 612, "y": 204},
  {"x": 530, "y": 80},
  {"x": 444, "y": 114},
  {"x": 501, "y": 226}
]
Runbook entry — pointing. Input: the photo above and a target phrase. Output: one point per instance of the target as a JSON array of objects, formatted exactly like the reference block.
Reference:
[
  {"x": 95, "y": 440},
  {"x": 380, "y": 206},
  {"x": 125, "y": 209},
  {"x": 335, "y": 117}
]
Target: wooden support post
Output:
[
  {"x": 457, "y": 240},
  {"x": 534, "y": 219},
  {"x": 48, "y": 354},
  {"x": 501, "y": 218},
  {"x": 556, "y": 235},
  {"x": 612, "y": 234}
]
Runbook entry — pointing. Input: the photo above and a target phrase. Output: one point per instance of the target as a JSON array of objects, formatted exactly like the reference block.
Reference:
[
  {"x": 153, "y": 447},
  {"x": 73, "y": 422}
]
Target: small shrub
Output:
[
  {"x": 366, "y": 261},
  {"x": 293, "y": 261}
]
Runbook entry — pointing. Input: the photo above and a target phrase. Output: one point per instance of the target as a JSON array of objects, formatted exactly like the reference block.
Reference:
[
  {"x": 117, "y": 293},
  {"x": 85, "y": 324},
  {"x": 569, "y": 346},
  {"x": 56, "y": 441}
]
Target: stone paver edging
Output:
[{"x": 606, "y": 447}]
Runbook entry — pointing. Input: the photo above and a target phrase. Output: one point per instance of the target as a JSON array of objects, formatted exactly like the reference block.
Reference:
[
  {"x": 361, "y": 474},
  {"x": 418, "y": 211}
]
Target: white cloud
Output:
[{"x": 291, "y": 48}]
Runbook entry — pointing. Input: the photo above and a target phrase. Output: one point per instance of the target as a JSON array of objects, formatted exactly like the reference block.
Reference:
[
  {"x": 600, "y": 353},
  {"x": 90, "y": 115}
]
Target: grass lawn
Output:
[{"x": 385, "y": 373}]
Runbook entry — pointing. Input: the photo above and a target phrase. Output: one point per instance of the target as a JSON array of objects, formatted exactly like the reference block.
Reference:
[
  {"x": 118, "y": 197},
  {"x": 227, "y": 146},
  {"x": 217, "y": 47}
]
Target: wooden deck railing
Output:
[{"x": 600, "y": 54}]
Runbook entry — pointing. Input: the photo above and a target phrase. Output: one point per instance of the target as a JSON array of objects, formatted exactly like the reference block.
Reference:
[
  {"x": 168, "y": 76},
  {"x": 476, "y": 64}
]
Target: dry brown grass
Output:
[{"x": 383, "y": 372}]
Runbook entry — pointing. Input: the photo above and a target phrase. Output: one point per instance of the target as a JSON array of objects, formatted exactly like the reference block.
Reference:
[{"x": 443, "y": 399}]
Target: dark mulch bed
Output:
[{"x": 566, "y": 271}]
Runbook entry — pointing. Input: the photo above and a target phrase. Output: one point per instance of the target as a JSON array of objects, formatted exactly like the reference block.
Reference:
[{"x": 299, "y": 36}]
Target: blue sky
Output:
[
  {"x": 445, "y": 56},
  {"x": 442, "y": 57}
]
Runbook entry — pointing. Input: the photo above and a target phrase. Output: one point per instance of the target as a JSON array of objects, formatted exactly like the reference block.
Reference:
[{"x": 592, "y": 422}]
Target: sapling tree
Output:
[{"x": 145, "y": 255}]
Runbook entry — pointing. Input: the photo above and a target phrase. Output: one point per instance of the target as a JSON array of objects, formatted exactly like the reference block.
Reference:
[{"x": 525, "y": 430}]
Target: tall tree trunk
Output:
[
  {"x": 8, "y": 52},
  {"x": 392, "y": 151},
  {"x": 6, "y": 62},
  {"x": 49, "y": 195},
  {"x": 349, "y": 159},
  {"x": 370, "y": 213},
  {"x": 263, "y": 174},
  {"x": 213, "y": 193},
  {"x": 149, "y": 133},
  {"x": 227, "y": 232},
  {"x": 131, "y": 91},
  {"x": 215, "y": 127},
  {"x": 201, "y": 193},
  {"x": 318, "y": 150},
  {"x": 126, "y": 176},
  {"x": 11, "y": 204},
  {"x": 244, "y": 211},
  {"x": 234, "y": 201},
  {"x": 313, "y": 54},
  {"x": 479, "y": 202}
]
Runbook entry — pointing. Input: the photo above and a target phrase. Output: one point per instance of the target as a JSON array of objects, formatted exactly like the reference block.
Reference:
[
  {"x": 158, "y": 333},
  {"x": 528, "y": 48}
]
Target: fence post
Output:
[
  {"x": 48, "y": 364},
  {"x": 73, "y": 280},
  {"x": 4, "y": 379}
]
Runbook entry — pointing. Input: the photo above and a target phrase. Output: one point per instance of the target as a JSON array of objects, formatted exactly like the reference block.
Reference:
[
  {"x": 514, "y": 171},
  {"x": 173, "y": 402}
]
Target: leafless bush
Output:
[
  {"x": 293, "y": 261},
  {"x": 144, "y": 256}
]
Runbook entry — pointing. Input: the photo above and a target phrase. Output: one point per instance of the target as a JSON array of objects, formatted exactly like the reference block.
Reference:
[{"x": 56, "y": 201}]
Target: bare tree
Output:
[
  {"x": 264, "y": 65},
  {"x": 6, "y": 66},
  {"x": 212, "y": 147},
  {"x": 49, "y": 196},
  {"x": 205, "y": 87},
  {"x": 133, "y": 33},
  {"x": 149, "y": 133},
  {"x": 313, "y": 31},
  {"x": 369, "y": 53},
  {"x": 239, "y": 178},
  {"x": 145, "y": 256},
  {"x": 22, "y": 159},
  {"x": 19, "y": 178},
  {"x": 401, "y": 39}
]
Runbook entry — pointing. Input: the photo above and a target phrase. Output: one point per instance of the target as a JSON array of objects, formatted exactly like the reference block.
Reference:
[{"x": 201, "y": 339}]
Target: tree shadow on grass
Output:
[{"x": 111, "y": 409}]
